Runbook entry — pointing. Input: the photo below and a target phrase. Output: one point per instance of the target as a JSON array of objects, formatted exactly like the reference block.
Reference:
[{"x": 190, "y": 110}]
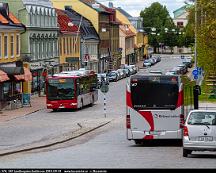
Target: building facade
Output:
[
  {"x": 89, "y": 40},
  {"x": 100, "y": 17},
  {"x": 180, "y": 16},
  {"x": 69, "y": 42},
  {"x": 13, "y": 73},
  {"x": 40, "y": 41}
]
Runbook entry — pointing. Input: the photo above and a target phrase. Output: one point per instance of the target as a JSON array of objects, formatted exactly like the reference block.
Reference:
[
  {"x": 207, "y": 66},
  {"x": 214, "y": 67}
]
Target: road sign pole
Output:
[{"x": 104, "y": 105}]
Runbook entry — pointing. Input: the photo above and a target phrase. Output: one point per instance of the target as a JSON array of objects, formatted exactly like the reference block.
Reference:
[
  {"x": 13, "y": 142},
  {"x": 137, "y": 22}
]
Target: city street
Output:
[{"x": 105, "y": 147}]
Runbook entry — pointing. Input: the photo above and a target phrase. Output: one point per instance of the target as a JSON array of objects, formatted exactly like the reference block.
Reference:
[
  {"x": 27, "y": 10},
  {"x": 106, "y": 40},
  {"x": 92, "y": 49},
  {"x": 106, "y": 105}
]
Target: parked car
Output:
[
  {"x": 101, "y": 77},
  {"x": 187, "y": 62},
  {"x": 122, "y": 73},
  {"x": 183, "y": 68},
  {"x": 126, "y": 71},
  {"x": 146, "y": 63},
  {"x": 199, "y": 131},
  {"x": 171, "y": 72},
  {"x": 113, "y": 76},
  {"x": 134, "y": 67},
  {"x": 178, "y": 70},
  {"x": 132, "y": 71}
]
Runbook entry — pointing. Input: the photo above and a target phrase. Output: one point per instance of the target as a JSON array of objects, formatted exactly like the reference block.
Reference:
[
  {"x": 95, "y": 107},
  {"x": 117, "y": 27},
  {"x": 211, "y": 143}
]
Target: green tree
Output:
[
  {"x": 157, "y": 16},
  {"x": 206, "y": 34}
]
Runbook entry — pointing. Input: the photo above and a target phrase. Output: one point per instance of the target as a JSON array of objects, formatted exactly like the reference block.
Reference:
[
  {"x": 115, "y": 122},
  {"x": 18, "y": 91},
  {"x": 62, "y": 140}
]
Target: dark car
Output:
[
  {"x": 183, "y": 68},
  {"x": 113, "y": 76}
]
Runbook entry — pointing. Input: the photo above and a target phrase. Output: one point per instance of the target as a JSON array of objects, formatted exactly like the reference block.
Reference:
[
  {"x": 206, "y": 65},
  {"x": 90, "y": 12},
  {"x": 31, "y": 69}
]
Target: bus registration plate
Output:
[{"x": 157, "y": 133}]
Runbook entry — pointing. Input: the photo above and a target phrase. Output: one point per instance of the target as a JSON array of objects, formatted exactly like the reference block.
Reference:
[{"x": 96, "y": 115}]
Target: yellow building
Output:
[
  {"x": 81, "y": 8},
  {"x": 14, "y": 75},
  {"x": 140, "y": 39},
  {"x": 69, "y": 42}
]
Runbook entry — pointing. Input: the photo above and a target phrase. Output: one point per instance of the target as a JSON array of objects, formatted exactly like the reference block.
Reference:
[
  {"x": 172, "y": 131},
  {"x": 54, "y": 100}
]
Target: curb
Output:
[{"x": 75, "y": 134}]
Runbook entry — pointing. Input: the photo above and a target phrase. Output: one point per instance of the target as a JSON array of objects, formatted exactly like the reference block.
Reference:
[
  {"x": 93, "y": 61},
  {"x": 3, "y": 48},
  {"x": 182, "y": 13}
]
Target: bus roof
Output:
[{"x": 74, "y": 74}]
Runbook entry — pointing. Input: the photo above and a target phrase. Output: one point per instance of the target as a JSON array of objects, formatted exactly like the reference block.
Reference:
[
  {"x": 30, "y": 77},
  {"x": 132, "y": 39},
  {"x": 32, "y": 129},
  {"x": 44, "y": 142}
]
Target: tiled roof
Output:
[
  {"x": 64, "y": 22},
  {"x": 86, "y": 28},
  {"x": 13, "y": 18},
  {"x": 3, "y": 20},
  {"x": 127, "y": 32}
]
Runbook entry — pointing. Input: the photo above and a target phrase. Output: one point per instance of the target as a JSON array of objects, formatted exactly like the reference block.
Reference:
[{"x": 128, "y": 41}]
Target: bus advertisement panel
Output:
[
  {"x": 71, "y": 90},
  {"x": 155, "y": 107}
]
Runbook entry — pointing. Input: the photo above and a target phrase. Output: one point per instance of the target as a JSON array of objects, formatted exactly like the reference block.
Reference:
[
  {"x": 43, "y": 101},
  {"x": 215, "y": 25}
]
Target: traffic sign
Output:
[
  {"x": 195, "y": 72},
  {"x": 196, "y": 77},
  {"x": 104, "y": 88}
]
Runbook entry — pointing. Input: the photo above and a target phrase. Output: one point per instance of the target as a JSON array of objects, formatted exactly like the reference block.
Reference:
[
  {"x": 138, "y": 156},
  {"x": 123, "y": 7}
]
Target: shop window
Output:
[
  {"x": 17, "y": 88},
  {"x": 6, "y": 90}
]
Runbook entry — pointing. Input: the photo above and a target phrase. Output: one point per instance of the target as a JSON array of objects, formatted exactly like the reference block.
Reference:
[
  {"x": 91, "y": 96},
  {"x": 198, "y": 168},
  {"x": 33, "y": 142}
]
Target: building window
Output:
[
  {"x": 64, "y": 45},
  {"x": 180, "y": 24},
  {"x": 6, "y": 46},
  {"x": 12, "y": 45},
  {"x": 17, "y": 44}
]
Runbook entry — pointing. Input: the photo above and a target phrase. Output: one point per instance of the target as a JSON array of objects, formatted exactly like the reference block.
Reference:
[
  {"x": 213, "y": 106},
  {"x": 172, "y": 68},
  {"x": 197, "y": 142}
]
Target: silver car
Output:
[{"x": 199, "y": 131}]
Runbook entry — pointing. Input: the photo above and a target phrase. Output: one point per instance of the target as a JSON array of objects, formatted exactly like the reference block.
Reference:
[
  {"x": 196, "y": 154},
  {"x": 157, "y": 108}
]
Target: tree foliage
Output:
[
  {"x": 157, "y": 16},
  {"x": 206, "y": 34}
]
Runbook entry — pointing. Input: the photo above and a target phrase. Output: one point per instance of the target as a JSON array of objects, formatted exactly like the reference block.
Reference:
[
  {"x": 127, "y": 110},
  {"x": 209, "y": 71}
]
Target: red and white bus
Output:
[
  {"x": 155, "y": 108},
  {"x": 71, "y": 89}
]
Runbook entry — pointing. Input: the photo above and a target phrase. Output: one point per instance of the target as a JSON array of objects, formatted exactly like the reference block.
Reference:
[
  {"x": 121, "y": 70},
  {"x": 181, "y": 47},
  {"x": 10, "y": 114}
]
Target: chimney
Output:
[
  {"x": 110, "y": 5},
  {"x": 4, "y": 10}
]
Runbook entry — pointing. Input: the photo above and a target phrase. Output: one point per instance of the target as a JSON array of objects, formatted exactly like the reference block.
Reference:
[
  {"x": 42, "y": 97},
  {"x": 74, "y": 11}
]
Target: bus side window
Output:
[
  {"x": 77, "y": 87},
  {"x": 81, "y": 87}
]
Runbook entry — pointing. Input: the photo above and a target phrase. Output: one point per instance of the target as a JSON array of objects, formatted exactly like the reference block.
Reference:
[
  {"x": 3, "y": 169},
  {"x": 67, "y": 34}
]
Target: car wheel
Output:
[
  {"x": 138, "y": 142},
  {"x": 186, "y": 152}
]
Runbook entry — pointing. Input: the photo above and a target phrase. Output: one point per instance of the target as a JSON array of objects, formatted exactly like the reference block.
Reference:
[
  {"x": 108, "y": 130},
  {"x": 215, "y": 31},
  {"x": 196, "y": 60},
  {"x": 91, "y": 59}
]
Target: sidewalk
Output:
[{"x": 37, "y": 103}]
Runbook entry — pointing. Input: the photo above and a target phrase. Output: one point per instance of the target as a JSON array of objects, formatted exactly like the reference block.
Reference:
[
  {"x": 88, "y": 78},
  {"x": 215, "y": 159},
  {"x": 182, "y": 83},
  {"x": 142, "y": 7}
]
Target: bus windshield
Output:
[
  {"x": 60, "y": 89},
  {"x": 159, "y": 94}
]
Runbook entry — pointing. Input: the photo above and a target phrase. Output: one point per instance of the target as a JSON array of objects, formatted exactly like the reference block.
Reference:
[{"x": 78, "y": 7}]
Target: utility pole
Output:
[{"x": 196, "y": 91}]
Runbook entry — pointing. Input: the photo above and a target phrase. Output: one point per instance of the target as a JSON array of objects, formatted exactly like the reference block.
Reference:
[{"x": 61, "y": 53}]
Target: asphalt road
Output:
[{"x": 106, "y": 147}]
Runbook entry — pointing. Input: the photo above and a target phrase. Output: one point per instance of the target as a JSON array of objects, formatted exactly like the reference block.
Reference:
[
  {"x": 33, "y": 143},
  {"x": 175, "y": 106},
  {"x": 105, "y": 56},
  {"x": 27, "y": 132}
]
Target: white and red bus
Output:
[
  {"x": 155, "y": 107},
  {"x": 71, "y": 90}
]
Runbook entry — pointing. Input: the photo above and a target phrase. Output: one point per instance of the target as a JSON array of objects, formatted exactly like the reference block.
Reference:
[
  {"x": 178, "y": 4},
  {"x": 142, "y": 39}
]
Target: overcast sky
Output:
[{"x": 133, "y": 7}]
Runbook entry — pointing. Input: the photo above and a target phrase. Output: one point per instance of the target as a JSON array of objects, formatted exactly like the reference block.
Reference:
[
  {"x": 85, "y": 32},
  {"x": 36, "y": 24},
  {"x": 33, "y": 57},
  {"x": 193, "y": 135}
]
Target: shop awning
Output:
[
  {"x": 3, "y": 76},
  {"x": 13, "y": 70},
  {"x": 27, "y": 76}
]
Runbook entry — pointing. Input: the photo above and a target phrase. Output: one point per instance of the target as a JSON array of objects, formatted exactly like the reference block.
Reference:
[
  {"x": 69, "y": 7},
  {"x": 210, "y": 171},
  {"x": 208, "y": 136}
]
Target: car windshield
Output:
[
  {"x": 112, "y": 74},
  {"x": 202, "y": 118}
]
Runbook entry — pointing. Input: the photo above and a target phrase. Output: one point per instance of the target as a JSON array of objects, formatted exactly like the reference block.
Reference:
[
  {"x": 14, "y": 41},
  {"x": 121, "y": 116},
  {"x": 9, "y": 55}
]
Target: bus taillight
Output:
[
  {"x": 128, "y": 122},
  {"x": 181, "y": 121},
  {"x": 185, "y": 131}
]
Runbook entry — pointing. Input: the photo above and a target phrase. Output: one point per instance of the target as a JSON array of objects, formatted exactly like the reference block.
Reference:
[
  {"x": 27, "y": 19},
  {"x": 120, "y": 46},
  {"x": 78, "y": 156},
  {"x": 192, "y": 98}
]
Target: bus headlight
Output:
[
  {"x": 48, "y": 105},
  {"x": 73, "y": 104}
]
